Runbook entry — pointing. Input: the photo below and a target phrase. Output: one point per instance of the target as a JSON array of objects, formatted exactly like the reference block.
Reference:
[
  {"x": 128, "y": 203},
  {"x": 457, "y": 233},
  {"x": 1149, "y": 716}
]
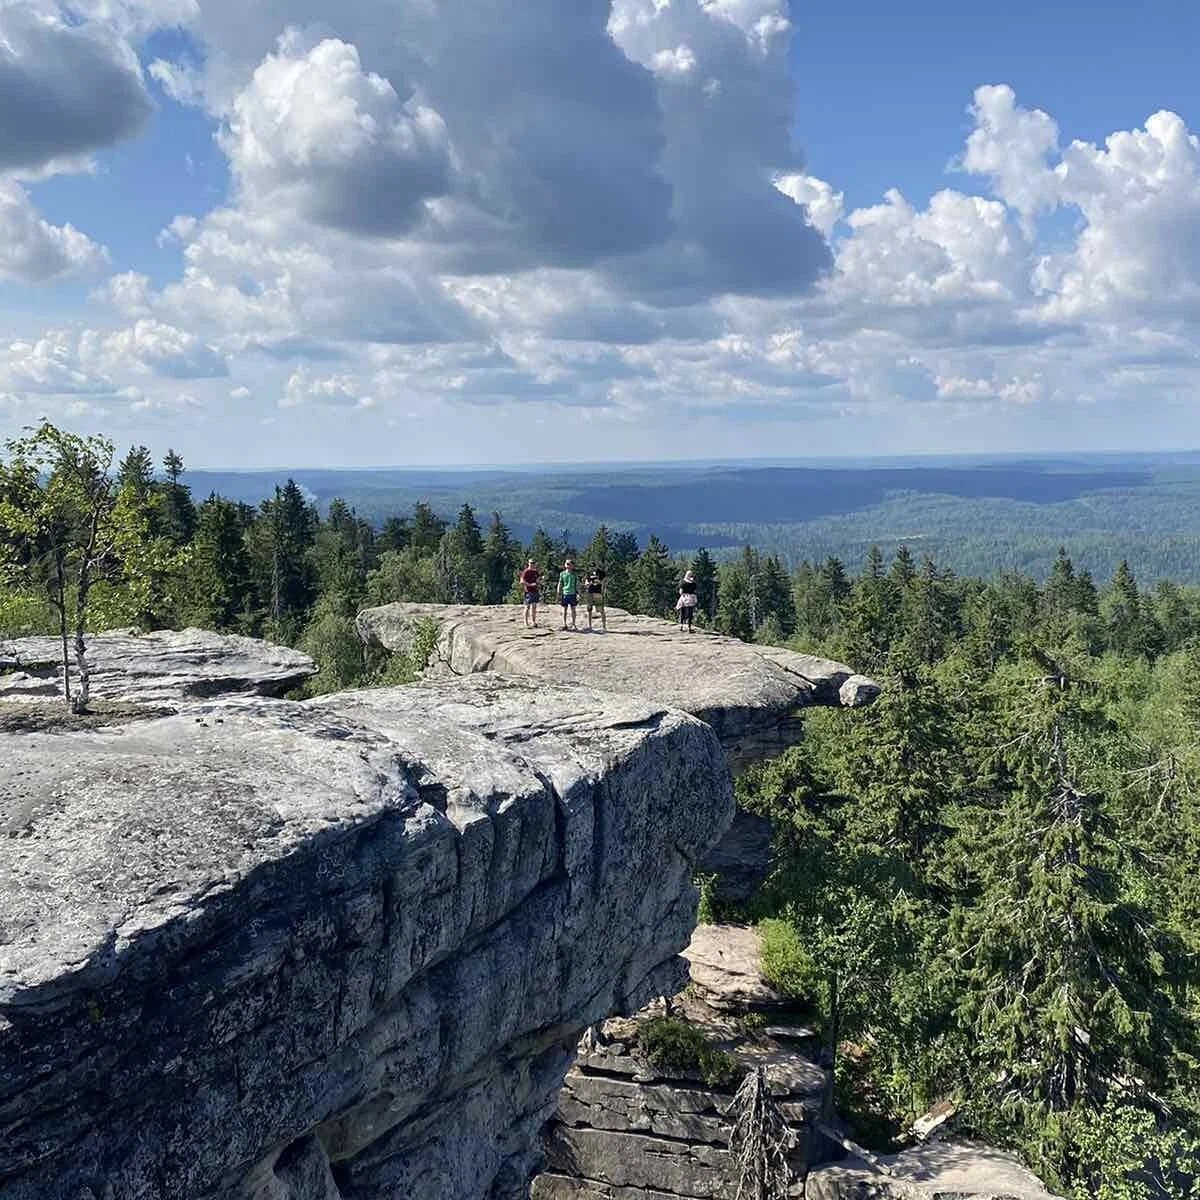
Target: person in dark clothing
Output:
[
  {"x": 686, "y": 604},
  {"x": 593, "y": 587},
  {"x": 530, "y": 578}
]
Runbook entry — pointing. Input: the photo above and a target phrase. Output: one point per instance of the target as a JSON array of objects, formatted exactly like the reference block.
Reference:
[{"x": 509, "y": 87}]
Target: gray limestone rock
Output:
[
  {"x": 333, "y": 950},
  {"x": 937, "y": 1171},
  {"x": 168, "y": 669},
  {"x": 749, "y": 694}
]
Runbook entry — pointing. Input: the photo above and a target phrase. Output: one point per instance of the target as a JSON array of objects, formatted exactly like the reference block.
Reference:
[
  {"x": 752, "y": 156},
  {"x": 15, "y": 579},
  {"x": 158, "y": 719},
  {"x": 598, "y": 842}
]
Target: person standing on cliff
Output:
[
  {"x": 593, "y": 585},
  {"x": 686, "y": 604},
  {"x": 568, "y": 591},
  {"x": 529, "y": 582}
]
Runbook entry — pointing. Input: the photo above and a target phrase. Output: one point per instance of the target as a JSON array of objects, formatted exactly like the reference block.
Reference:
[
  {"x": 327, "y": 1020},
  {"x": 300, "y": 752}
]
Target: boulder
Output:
[
  {"x": 936, "y": 1171},
  {"x": 749, "y": 694},
  {"x": 168, "y": 669},
  {"x": 333, "y": 950}
]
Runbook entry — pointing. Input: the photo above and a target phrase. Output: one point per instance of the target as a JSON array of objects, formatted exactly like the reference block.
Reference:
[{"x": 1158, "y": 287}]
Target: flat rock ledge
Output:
[
  {"x": 749, "y": 694},
  {"x": 937, "y": 1171},
  {"x": 334, "y": 950},
  {"x": 170, "y": 669}
]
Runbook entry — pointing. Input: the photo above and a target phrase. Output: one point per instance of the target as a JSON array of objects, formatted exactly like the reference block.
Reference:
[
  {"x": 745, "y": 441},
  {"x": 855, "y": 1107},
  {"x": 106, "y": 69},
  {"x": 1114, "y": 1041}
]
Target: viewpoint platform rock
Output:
[
  {"x": 168, "y": 669},
  {"x": 333, "y": 950},
  {"x": 749, "y": 694}
]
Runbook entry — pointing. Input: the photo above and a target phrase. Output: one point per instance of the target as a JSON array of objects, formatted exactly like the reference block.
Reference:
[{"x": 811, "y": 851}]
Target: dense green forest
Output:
[{"x": 986, "y": 883}]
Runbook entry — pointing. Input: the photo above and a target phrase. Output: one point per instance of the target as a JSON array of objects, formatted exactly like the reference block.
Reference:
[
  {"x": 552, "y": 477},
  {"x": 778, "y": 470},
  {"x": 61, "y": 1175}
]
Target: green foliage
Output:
[
  {"x": 671, "y": 1045},
  {"x": 1125, "y": 1152},
  {"x": 787, "y": 964}
]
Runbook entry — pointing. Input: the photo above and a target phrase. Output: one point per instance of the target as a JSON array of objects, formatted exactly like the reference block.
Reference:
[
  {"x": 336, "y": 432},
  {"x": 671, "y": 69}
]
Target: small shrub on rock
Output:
[
  {"x": 787, "y": 964},
  {"x": 674, "y": 1046}
]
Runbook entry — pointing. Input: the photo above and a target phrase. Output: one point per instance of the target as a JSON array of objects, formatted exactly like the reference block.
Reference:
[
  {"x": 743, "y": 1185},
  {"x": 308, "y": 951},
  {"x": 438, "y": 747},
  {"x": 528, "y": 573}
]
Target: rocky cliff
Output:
[
  {"x": 750, "y": 695},
  {"x": 333, "y": 950}
]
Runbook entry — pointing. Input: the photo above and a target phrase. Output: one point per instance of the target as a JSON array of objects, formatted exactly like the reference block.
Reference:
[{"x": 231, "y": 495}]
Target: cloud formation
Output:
[{"x": 596, "y": 207}]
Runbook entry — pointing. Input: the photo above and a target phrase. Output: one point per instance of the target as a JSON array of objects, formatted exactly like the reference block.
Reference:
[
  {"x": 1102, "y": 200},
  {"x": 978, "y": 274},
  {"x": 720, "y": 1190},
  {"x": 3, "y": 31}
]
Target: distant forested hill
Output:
[{"x": 976, "y": 516}]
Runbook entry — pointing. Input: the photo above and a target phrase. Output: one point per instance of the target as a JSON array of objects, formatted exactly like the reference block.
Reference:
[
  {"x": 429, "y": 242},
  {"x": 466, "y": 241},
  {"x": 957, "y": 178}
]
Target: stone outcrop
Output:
[
  {"x": 626, "y": 1130},
  {"x": 749, "y": 694},
  {"x": 169, "y": 669},
  {"x": 937, "y": 1171},
  {"x": 333, "y": 950}
]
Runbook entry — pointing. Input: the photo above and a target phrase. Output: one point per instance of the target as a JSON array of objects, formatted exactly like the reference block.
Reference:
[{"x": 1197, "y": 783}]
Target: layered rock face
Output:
[
  {"x": 337, "y": 950},
  {"x": 627, "y": 1130},
  {"x": 749, "y": 694},
  {"x": 168, "y": 669}
]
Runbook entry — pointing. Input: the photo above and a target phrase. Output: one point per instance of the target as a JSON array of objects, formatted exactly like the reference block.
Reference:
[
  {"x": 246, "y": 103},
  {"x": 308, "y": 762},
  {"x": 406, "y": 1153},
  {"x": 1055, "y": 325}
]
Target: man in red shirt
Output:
[{"x": 529, "y": 581}]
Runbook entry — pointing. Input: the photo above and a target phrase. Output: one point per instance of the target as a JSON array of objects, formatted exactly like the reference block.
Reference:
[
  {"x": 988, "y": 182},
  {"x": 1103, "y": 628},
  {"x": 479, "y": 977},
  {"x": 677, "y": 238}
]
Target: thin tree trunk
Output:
[
  {"x": 81, "y": 598},
  {"x": 61, "y": 604}
]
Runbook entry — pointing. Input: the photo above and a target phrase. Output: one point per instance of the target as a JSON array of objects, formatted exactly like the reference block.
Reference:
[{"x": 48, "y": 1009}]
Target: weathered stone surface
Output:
[
  {"x": 749, "y": 694},
  {"x": 625, "y": 1130},
  {"x": 937, "y": 1171},
  {"x": 741, "y": 860},
  {"x": 169, "y": 669},
  {"x": 333, "y": 950},
  {"x": 726, "y": 969}
]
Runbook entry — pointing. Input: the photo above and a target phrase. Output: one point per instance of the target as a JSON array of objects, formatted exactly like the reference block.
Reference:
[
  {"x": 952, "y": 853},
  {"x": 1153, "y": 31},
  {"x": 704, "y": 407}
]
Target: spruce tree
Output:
[
  {"x": 179, "y": 513},
  {"x": 1070, "y": 994},
  {"x": 501, "y": 560},
  {"x": 705, "y": 571},
  {"x": 427, "y": 528},
  {"x": 652, "y": 580},
  {"x": 137, "y": 472}
]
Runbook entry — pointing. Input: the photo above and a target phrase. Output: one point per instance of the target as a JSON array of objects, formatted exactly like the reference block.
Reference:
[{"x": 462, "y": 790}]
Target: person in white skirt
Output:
[{"x": 685, "y": 606}]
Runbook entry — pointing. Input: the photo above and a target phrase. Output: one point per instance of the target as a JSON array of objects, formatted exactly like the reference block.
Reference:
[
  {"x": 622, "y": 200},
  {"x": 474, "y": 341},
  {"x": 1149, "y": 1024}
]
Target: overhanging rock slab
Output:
[
  {"x": 749, "y": 694},
  {"x": 332, "y": 950}
]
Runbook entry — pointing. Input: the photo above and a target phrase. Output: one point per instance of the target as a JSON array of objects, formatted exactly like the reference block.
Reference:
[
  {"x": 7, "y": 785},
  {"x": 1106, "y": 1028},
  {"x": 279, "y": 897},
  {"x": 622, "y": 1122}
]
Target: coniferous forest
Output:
[{"x": 986, "y": 883}]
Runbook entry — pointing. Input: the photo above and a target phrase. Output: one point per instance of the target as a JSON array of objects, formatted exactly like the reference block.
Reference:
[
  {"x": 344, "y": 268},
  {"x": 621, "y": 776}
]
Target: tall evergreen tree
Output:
[
  {"x": 427, "y": 528},
  {"x": 652, "y": 580},
  {"x": 1070, "y": 994},
  {"x": 501, "y": 560},
  {"x": 705, "y": 571},
  {"x": 291, "y": 525},
  {"x": 137, "y": 472},
  {"x": 179, "y": 513}
]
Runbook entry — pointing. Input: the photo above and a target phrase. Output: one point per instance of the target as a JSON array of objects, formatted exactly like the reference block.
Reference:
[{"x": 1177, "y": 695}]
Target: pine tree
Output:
[
  {"x": 292, "y": 530},
  {"x": 179, "y": 513},
  {"x": 395, "y": 535},
  {"x": 705, "y": 571},
  {"x": 1071, "y": 994},
  {"x": 776, "y": 602},
  {"x": 1131, "y": 630},
  {"x": 903, "y": 570},
  {"x": 652, "y": 580},
  {"x": 427, "y": 528},
  {"x": 137, "y": 472},
  {"x": 870, "y": 616},
  {"x": 501, "y": 560},
  {"x": 468, "y": 535},
  {"x": 734, "y": 600},
  {"x": 926, "y": 615},
  {"x": 220, "y": 586}
]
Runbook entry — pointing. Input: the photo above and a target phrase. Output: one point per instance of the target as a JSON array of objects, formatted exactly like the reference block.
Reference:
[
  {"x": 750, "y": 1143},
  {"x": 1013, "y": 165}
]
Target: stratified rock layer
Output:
[
  {"x": 169, "y": 669},
  {"x": 338, "y": 950},
  {"x": 749, "y": 694},
  {"x": 626, "y": 1130}
]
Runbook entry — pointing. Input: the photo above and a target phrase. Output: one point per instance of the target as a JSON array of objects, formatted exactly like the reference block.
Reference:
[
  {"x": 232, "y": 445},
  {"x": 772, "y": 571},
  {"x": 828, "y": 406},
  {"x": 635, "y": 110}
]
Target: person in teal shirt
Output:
[{"x": 568, "y": 591}]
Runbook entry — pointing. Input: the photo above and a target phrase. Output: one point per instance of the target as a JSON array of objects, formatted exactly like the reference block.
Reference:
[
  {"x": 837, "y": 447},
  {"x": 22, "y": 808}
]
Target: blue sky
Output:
[{"x": 338, "y": 234}]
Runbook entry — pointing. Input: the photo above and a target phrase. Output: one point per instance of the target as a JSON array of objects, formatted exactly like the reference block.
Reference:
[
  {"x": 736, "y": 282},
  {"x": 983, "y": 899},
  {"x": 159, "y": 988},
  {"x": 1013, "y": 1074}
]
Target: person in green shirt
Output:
[{"x": 568, "y": 591}]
